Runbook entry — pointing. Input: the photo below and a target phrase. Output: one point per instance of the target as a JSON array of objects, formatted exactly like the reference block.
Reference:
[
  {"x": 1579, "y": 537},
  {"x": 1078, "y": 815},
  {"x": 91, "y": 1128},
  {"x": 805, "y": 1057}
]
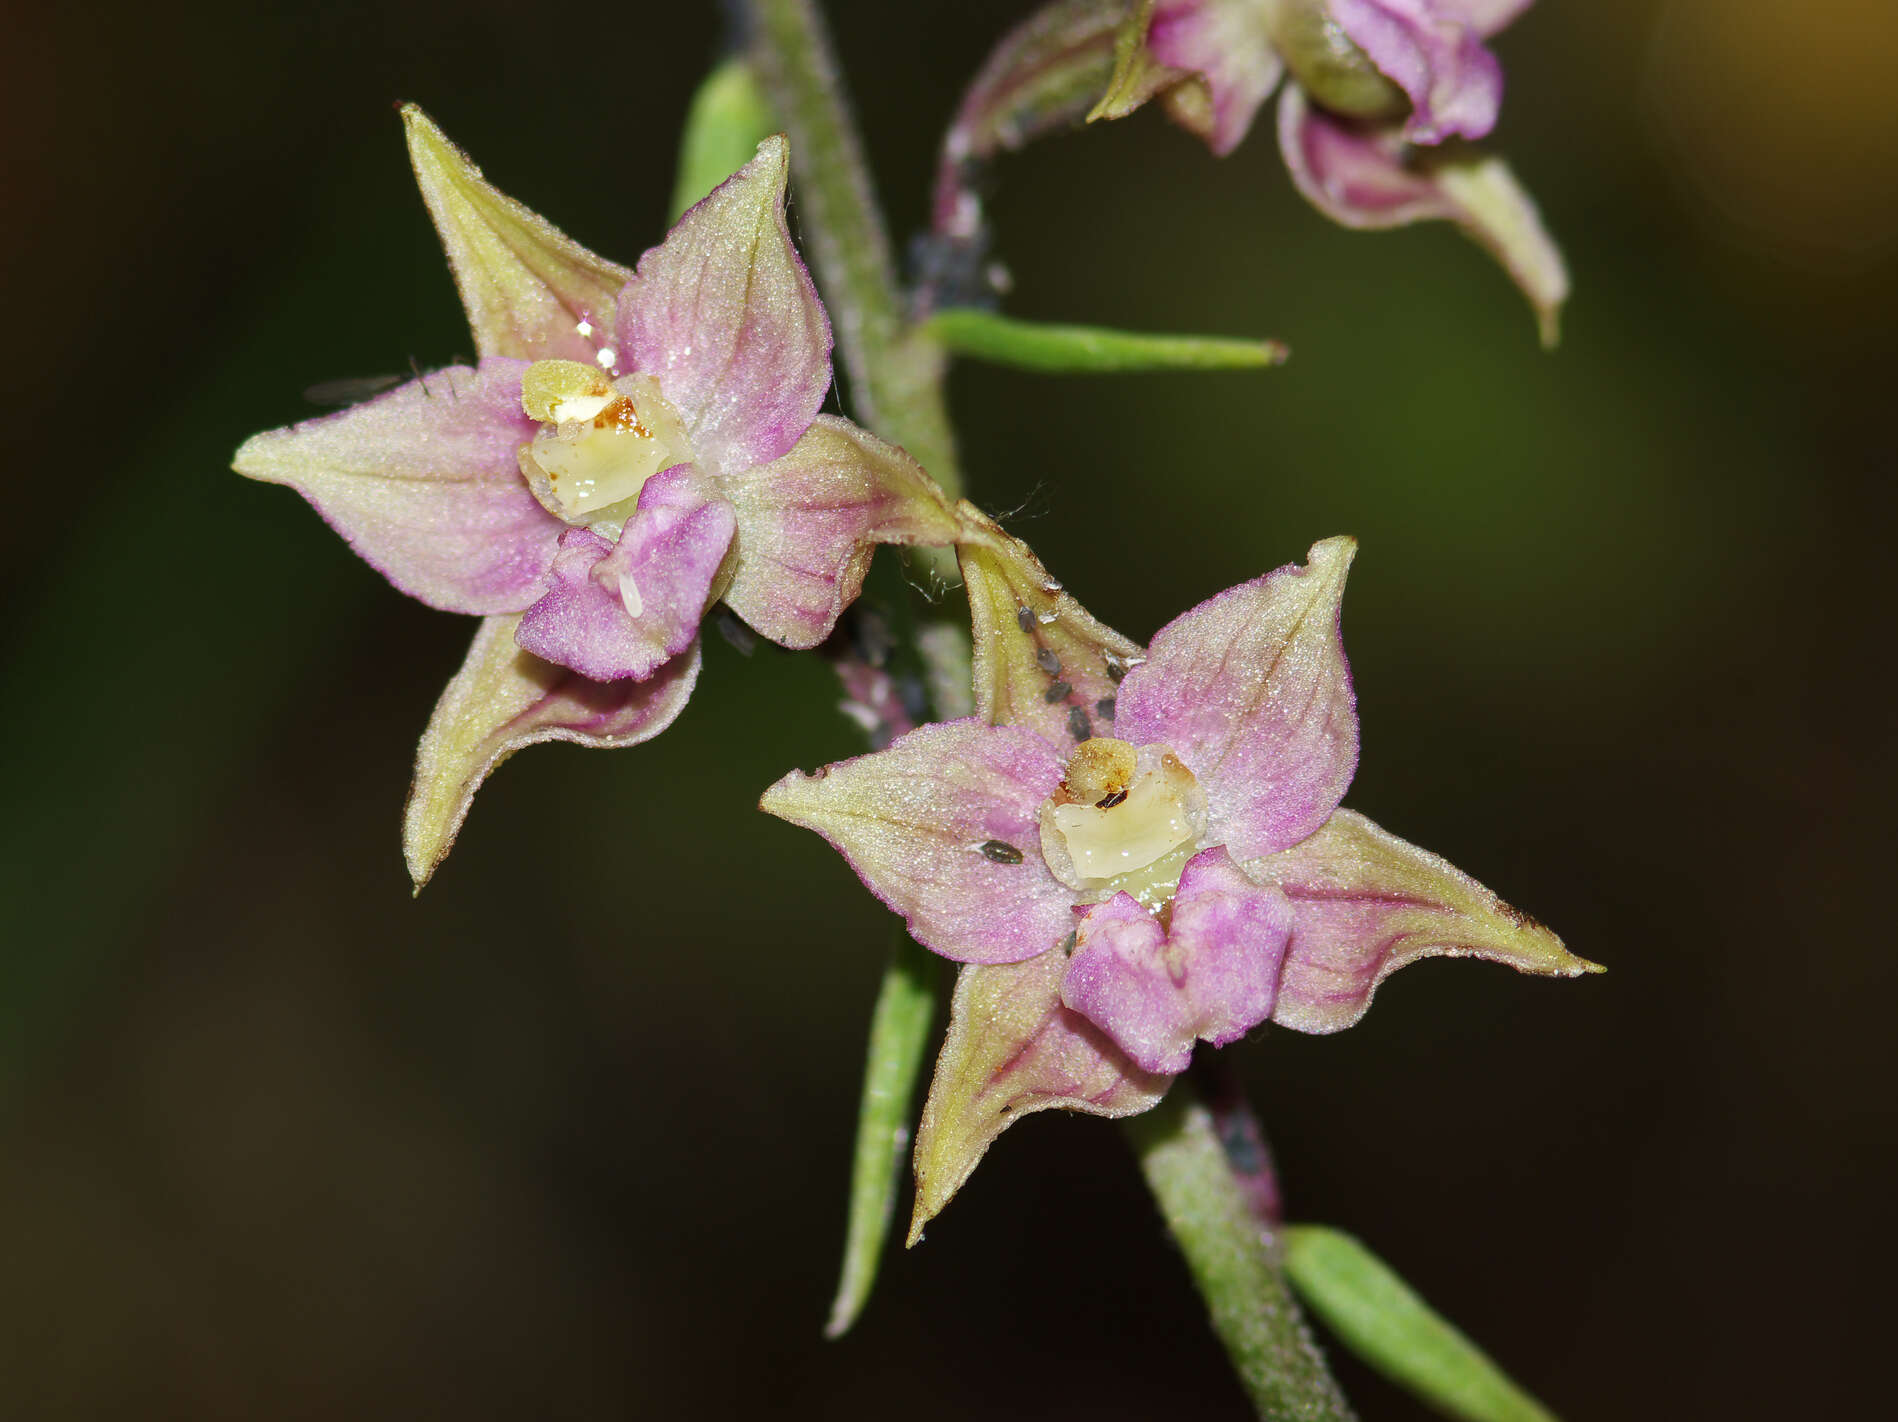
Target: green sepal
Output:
[
  {"x": 1095, "y": 350},
  {"x": 728, "y": 118},
  {"x": 899, "y": 1030},
  {"x": 1137, "y": 75},
  {"x": 1380, "y": 1318}
]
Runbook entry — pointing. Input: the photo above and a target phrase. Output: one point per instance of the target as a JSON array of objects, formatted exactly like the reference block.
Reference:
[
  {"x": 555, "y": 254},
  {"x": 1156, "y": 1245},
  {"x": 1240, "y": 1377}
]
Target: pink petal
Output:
[
  {"x": 943, "y": 827},
  {"x": 1365, "y": 175},
  {"x": 1252, "y": 691},
  {"x": 809, "y": 521},
  {"x": 424, "y": 483},
  {"x": 1013, "y": 1049},
  {"x": 724, "y": 316},
  {"x": 1118, "y": 979},
  {"x": 1228, "y": 47},
  {"x": 1365, "y": 903},
  {"x": 503, "y": 699},
  {"x": 1230, "y": 934},
  {"x": 624, "y": 609},
  {"x": 1212, "y": 976},
  {"x": 1455, "y": 85}
]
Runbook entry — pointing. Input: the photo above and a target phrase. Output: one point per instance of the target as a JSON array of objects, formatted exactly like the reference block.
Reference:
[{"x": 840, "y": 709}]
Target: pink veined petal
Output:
[
  {"x": 1228, "y": 46},
  {"x": 809, "y": 521},
  {"x": 1252, "y": 691},
  {"x": 943, "y": 828},
  {"x": 1455, "y": 85},
  {"x": 1212, "y": 976},
  {"x": 1365, "y": 175},
  {"x": 1365, "y": 903},
  {"x": 724, "y": 315},
  {"x": 503, "y": 699},
  {"x": 624, "y": 609},
  {"x": 1119, "y": 980},
  {"x": 424, "y": 484}
]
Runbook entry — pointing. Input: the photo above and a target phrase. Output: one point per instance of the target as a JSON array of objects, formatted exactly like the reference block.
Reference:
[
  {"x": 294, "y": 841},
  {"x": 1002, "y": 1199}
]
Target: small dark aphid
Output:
[
  {"x": 1059, "y": 691},
  {"x": 1112, "y": 800},
  {"x": 1105, "y": 707},
  {"x": 1001, "y": 853},
  {"x": 1078, "y": 725},
  {"x": 1025, "y": 620},
  {"x": 1048, "y": 661},
  {"x": 1067, "y": 944},
  {"x": 1115, "y": 671}
]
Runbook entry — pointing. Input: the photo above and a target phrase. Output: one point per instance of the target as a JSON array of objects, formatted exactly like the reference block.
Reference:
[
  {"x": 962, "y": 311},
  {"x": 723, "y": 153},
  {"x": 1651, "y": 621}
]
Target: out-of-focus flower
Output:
[
  {"x": 630, "y": 447},
  {"x": 1378, "y": 98},
  {"x": 1150, "y": 849}
]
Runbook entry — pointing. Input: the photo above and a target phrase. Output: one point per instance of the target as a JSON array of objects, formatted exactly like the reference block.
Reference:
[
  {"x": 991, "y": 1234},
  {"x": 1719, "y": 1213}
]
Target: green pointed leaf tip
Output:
[
  {"x": 1379, "y": 1317},
  {"x": 1059, "y": 349},
  {"x": 728, "y": 119},
  {"x": 899, "y": 1030}
]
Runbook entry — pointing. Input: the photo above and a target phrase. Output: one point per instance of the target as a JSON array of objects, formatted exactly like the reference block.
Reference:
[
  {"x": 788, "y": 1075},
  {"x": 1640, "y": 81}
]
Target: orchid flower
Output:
[
  {"x": 1371, "y": 120},
  {"x": 631, "y": 447},
  {"x": 1141, "y": 850}
]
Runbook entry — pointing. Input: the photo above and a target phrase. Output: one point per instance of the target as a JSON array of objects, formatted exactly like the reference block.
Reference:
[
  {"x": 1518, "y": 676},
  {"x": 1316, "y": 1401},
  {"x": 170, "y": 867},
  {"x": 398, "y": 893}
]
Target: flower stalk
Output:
[
  {"x": 1233, "y": 1261},
  {"x": 896, "y": 369}
]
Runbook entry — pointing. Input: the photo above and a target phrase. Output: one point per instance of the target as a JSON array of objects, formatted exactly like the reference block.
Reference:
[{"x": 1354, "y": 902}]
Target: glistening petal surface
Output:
[
  {"x": 725, "y": 317},
  {"x": 525, "y": 285},
  {"x": 942, "y": 826},
  {"x": 1365, "y": 903},
  {"x": 624, "y": 609},
  {"x": 423, "y": 482},
  {"x": 809, "y": 521},
  {"x": 1251, "y": 689},
  {"x": 503, "y": 699}
]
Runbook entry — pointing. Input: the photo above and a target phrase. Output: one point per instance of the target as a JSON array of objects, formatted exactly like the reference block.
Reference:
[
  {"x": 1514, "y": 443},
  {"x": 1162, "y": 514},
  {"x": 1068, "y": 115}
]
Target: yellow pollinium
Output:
[
  {"x": 602, "y": 439},
  {"x": 1128, "y": 820}
]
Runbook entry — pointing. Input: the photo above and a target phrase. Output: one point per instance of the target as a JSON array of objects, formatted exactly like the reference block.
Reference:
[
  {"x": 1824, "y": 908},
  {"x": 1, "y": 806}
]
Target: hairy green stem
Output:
[
  {"x": 896, "y": 370},
  {"x": 1234, "y": 1262}
]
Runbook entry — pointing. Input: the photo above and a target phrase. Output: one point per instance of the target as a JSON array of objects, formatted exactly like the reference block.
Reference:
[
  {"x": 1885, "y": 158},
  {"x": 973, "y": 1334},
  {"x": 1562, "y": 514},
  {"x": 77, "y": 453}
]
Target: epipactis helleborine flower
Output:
[
  {"x": 630, "y": 447},
  {"x": 1377, "y": 95},
  {"x": 1151, "y": 848}
]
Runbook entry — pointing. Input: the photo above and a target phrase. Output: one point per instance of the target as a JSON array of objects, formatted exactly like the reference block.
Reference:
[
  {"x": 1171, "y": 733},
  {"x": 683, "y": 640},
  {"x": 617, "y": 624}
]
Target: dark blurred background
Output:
[{"x": 567, "y": 1136}]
